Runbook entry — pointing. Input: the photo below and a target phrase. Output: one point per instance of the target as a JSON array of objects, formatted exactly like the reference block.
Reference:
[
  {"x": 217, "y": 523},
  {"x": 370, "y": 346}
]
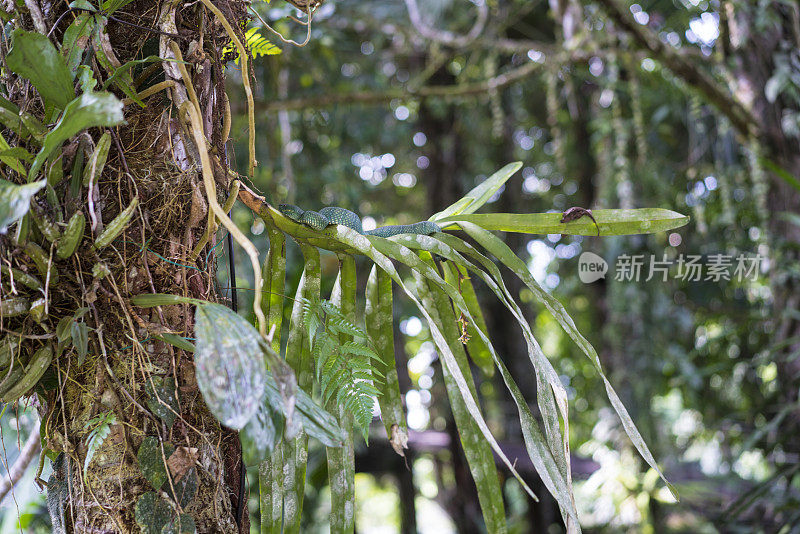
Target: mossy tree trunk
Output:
[{"x": 148, "y": 385}]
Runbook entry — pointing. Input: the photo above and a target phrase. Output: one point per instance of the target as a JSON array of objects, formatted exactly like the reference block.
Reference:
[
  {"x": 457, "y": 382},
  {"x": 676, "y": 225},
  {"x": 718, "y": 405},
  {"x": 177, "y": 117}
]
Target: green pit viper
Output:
[{"x": 325, "y": 217}]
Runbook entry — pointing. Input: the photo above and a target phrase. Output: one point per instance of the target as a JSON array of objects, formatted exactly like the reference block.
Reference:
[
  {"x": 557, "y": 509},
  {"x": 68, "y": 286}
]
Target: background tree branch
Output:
[{"x": 685, "y": 68}]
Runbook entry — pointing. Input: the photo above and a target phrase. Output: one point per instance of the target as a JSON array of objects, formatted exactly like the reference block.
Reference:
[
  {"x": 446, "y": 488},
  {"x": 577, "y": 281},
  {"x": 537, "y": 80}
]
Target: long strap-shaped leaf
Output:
[
  {"x": 378, "y": 318},
  {"x": 477, "y": 450},
  {"x": 363, "y": 245},
  {"x": 609, "y": 222},
  {"x": 548, "y": 456},
  {"x": 298, "y": 356},
  {"x": 549, "y": 453},
  {"x": 476, "y": 348},
  {"x": 500, "y": 250},
  {"x": 341, "y": 460},
  {"x": 270, "y": 471}
]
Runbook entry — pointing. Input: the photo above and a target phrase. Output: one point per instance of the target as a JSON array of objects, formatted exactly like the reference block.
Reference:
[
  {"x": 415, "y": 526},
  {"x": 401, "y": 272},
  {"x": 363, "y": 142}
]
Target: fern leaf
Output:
[
  {"x": 257, "y": 44},
  {"x": 102, "y": 428},
  {"x": 358, "y": 349},
  {"x": 260, "y": 45}
]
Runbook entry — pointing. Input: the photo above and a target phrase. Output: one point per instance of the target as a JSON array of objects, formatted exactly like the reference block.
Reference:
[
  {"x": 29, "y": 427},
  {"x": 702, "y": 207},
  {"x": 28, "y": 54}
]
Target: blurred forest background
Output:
[{"x": 395, "y": 109}]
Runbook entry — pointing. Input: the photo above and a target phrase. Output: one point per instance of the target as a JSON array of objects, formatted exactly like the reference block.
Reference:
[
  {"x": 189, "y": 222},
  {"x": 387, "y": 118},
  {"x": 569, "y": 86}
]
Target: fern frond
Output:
[
  {"x": 312, "y": 319},
  {"x": 257, "y": 44},
  {"x": 260, "y": 45},
  {"x": 345, "y": 371},
  {"x": 359, "y": 349}
]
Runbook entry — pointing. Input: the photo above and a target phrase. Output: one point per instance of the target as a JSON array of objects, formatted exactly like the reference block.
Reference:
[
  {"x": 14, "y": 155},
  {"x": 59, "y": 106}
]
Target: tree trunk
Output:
[{"x": 129, "y": 372}]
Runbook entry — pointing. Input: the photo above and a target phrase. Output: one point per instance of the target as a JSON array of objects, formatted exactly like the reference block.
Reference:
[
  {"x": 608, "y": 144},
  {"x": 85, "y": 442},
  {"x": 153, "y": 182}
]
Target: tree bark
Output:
[{"x": 153, "y": 158}]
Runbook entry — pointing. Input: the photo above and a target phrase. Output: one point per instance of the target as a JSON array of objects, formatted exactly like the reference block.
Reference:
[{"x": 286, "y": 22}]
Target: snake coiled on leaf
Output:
[{"x": 328, "y": 216}]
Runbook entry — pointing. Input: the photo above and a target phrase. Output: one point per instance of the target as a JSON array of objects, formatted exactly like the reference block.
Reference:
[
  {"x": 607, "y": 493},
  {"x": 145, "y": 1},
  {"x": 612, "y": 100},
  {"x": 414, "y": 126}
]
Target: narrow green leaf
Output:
[
  {"x": 363, "y": 245},
  {"x": 780, "y": 172},
  {"x": 298, "y": 355},
  {"x": 270, "y": 471},
  {"x": 480, "y": 194},
  {"x": 176, "y": 341},
  {"x": 476, "y": 348},
  {"x": 150, "y": 300},
  {"x": 610, "y": 222},
  {"x": 80, "y": 338},
  {"x": 542, "y": 453},
  {"x": 87, "y": 111},
  {"x": 500, "y": 250},
  {"x": 477, "y": 451},
  {"x": 15, "y": 201},
  {"x": 34, "y": 57},
  {"x": 378, "y": 318},
  {"x": 97, "y": 161},
  {"x": 274, "y": 272},
  {"x": 549, "y": 452},
  {"x": 123, "y": 72}
]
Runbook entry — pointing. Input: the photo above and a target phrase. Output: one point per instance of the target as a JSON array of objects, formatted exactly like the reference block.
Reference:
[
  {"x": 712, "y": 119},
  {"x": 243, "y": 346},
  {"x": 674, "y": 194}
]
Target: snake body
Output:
[{"x": 328, "y": 216}]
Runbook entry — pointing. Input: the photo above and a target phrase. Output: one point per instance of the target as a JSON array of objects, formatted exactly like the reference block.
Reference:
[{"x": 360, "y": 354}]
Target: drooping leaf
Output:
[
  {"x": 476, "y": 348},
  {"x": 86, "y": 111},
  {"x": 609, "y": 222},
  {"x": 500, "y": 250},
  {"x": 229, "y": 364},
  {"x": 34, "y": 57},
  {"x": 362, "y": 244},
  {"x": 262, "y": 433},
  {"x": 549, "y": 450},
  {"x": 477, "y": 451},
  {"x": 176, "y": 341},
  {"x": 315, "y": 421},
  {"x": 540, "y": 448},
  {"x": 15, "y": 201}
]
